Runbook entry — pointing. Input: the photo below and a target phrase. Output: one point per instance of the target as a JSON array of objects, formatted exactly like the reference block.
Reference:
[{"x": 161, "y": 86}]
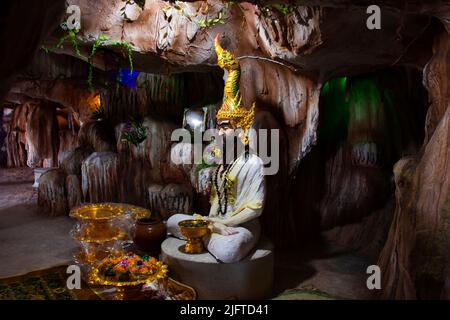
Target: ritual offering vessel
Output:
[
  {"x": 194, "y": 230},
  {"x": 149, "y": 233},
  {"x": 101, "y": 229},
  {"x": 127, "y": 273}
]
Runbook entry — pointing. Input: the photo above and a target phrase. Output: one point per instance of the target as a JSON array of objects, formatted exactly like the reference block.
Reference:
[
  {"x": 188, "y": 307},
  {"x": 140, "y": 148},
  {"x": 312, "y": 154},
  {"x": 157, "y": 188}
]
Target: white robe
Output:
[{"x": 245, "y": 205}]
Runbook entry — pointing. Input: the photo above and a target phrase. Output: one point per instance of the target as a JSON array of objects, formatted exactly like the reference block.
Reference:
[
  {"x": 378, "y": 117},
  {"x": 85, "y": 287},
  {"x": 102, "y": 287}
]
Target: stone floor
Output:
[
  {"x": 30, "y": 240},
  {"x": 326, "y": 267}
]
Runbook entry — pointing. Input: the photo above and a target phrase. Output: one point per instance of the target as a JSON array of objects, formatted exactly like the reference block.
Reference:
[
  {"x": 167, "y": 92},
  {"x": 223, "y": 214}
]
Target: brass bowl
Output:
[
  {"x": 194, "y": 230},
  {"x": 127, "y": 288},
  {"x": 97, "y": 211}
]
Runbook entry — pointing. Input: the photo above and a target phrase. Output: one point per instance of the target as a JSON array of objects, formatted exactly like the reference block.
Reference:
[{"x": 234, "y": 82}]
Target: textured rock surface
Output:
[
  {"x": 170, "y": 199},
  {"x": 42, "y": 135},
  {"x": 52, "y": 193},
  {"x": 182, "y": 157},
  {"x": 299, "y": 43},
  {"x": 154, "y": 152},
  {"x": 286, "y": 59},
  {"x": 415, "y": 258},
  {"x": 72, "y": 93},
  {"x": 74, "y": 192},
  {"x": 38, "y": 20},
  {"x": 201, "y": 180},
  {"x": 71, "y": 163},
  {"x": 97, "y": 135},
  {"x": 16, "y": 139},
  {"x": 38, "y": 135},
  {"x": 99, "y": 173}
]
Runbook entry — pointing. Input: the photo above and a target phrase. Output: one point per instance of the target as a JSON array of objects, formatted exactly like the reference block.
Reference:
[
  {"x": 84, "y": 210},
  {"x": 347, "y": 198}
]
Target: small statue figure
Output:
[{"x": 238, "y": 188}]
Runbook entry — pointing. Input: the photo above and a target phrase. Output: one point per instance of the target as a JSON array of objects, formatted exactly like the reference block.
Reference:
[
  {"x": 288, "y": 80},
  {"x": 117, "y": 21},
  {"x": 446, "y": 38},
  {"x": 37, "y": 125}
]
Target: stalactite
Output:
[
  {"x": 99, "y": 173},
  {"x": 42, "y": 134},
  {"x": 16, "y": 138},
  {"x": 170, "y": 199}
]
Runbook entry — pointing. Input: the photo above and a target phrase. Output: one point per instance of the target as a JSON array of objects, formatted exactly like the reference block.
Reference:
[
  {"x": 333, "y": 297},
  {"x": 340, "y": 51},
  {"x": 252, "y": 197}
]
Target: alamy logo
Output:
[
  {"x": 374, "y": 20},
  {"x": 374, "y": 280},
  {"x": 218, "y": 152},
  {"x": 74, "y": 280},
  {"x": 73, "y": 22}
]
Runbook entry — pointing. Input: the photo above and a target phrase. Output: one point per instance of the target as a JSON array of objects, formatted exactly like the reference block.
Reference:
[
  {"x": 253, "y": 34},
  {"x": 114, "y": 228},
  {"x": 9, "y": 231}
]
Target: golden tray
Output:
[
  {"x": 108, "y": 210},
  {"x": 95, "y": 278},
  {"x": 135, "y": 211},
  {"x": 176, "y": 290},
  {"x": 97, "y": 211}
]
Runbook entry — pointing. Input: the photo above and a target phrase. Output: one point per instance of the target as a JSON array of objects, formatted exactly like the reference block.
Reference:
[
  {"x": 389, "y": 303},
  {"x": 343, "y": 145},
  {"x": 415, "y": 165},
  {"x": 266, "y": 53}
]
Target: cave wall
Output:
[
  {"x": 415, "y": 258},
  {"x": 303, "y": 41},
  {"x": 286, "y": 60},
  {"x": 37, "y": 136},
  {"x": 37, "y": 20}
]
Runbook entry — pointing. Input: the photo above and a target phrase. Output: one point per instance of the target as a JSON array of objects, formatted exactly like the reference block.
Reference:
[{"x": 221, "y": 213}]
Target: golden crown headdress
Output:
[{"x": 232, "y": 108}]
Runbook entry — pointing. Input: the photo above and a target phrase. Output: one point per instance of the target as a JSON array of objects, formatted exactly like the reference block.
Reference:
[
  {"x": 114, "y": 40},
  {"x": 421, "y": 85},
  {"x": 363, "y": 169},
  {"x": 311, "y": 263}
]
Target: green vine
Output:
[
  {"x": 72, "y": 36},
  {"x": 100, "y": 41},
  {"x": 129, "y": 50},
  {"x": 209, "y": 22},
  {"x": 282, "y": 8},
  {"x": 203, "y": 165},
  {"x": 45, "y": 49},
  {"x": 134, "y": 132},
  {"x": 103, "y": 40}
]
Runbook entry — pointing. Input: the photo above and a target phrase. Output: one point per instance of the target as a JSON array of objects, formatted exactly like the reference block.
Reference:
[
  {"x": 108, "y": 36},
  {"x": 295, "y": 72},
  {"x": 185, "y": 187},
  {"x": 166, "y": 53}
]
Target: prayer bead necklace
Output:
[{"x": 225, "y": 171}]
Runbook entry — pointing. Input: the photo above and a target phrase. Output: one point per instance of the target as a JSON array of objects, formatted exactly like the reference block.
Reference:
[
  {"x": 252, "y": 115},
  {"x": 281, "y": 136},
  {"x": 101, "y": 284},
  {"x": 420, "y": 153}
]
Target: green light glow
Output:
[{"x": 352, "y": 106}]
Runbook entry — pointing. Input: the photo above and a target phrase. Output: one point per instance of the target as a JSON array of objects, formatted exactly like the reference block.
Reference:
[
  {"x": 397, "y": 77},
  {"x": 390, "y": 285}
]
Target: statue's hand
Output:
[
  {"x": 200, "y": 217},
  {"x": 222, "y": 229}
]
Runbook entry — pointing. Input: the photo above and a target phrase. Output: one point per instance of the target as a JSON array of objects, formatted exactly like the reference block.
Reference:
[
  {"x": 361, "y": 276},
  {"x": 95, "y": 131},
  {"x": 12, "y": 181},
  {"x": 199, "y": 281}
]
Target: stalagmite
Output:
[
  {"x": 99, "y": 180},
  {"x": 52, "y": 193},
  {"x": 74, "y": 192}
]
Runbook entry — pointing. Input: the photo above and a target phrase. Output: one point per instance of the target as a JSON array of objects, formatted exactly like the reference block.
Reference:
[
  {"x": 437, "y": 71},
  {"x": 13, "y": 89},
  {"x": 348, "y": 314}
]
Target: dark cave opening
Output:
[{"x": 345, "y": 184}]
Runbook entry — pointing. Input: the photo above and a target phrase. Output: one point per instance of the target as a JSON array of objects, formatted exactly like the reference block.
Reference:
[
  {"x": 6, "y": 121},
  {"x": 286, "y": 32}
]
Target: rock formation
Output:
[
  {"x": 170, "y": 199},
  {"x": 362, "y": 116},
  {"x": 52, "y": 193},
  {"x": 100, "y": 177},
  {"x": 415, "y": 258}
]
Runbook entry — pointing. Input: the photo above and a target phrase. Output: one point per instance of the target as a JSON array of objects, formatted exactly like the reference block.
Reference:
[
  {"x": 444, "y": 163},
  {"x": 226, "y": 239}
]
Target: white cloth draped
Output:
[{"x": 245, "y": 205}]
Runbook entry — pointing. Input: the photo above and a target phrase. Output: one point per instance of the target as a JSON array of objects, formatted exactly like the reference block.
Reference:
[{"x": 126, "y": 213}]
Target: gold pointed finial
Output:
[{"x": 232, "y": 108}]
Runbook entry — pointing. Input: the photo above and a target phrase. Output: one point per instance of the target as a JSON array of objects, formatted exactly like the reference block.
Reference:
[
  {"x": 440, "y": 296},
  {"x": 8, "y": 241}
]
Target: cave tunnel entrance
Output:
[
  {"x": 345, "y": 184},
  {"x": 342, "y": 195}
]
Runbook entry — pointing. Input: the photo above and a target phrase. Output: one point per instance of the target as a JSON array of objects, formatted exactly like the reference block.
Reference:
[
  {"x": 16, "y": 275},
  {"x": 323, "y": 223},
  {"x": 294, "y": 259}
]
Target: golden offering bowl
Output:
[
  {"x": 97, "y": 211},
  {"x": 126, "y": 288},
  {"x": 194, "y": 230}
]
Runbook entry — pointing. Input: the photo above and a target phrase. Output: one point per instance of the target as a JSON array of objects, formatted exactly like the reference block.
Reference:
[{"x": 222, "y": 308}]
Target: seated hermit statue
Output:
[{"x": 238, "y": 191}]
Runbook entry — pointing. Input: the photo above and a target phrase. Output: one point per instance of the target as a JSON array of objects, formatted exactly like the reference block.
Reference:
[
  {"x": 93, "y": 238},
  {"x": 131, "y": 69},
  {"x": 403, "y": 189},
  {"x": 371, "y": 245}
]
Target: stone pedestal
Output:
[{"x": 250, "y": 278}]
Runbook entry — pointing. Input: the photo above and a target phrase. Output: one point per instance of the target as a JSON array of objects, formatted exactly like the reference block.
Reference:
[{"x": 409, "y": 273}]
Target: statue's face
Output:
[{"x": 226, "y": 128}]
